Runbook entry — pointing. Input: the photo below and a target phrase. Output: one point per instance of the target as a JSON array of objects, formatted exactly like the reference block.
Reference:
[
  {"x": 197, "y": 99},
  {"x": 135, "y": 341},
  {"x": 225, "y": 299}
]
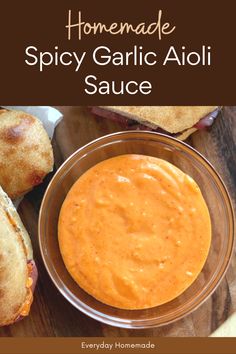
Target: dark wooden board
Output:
[{"x": 51, "y": 314}]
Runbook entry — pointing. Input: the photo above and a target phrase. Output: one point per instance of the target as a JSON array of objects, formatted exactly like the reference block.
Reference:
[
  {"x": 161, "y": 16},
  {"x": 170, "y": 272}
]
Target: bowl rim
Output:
[{"x": 143, "y": 323}]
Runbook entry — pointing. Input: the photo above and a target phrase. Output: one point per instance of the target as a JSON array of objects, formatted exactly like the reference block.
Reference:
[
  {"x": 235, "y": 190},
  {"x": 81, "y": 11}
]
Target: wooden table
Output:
[{"x": 51, "y": 314}]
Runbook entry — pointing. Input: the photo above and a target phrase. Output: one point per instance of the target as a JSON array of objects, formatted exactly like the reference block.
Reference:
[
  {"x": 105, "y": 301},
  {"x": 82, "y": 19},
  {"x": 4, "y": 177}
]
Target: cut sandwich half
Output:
[
  {"x": 178, "y": 121},
  {"x": 18, "y": 273}
]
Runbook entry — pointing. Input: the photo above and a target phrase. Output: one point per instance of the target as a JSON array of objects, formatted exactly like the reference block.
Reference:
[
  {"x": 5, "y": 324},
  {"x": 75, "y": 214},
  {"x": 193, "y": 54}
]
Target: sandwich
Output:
[
  {"x": 26, "y": 155},
  {"x": 18, "y": 273},
  {"x": 177, "y": 121}
]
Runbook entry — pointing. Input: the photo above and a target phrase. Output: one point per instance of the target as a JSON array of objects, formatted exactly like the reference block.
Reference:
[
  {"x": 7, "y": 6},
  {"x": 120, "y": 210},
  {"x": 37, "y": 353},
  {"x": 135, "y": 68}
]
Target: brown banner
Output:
[
  {"x": 117, "y": 345},
  {"x": 175, "y": 52}
]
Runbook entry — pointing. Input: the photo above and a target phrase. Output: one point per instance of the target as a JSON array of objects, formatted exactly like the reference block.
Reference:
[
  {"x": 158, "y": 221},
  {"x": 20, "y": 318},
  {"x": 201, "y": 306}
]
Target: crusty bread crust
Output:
[
  {"x": 186, "y": 133},
  {"x": 25, "y": 152},
  {"x": 15, "y": 251},
  {"x": 173, "y": 119}
]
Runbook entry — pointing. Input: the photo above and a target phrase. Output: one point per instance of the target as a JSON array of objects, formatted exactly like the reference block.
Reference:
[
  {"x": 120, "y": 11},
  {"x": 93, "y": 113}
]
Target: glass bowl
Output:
[{"x": 189, "y": 161}]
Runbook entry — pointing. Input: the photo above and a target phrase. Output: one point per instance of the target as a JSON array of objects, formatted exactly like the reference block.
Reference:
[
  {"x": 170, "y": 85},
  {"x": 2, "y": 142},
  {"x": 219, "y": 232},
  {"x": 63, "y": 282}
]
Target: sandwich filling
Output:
[{"x": 30, "y": 285}]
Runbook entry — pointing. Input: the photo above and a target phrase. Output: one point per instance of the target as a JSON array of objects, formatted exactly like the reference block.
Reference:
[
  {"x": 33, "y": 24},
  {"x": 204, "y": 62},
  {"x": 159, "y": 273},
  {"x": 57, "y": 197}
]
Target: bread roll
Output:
[
  {"x": 26, "y": 155},
  {"x": 16, "y": 269}
]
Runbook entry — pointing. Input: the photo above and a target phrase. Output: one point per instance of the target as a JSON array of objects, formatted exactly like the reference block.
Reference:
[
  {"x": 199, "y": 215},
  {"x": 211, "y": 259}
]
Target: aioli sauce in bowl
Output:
[{"x": 134, "y": 231}]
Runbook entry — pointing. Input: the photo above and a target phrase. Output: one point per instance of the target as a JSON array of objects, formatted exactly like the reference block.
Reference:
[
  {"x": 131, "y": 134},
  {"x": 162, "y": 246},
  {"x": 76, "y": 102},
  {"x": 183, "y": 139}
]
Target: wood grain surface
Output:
[{"x": 51, "y": 314}]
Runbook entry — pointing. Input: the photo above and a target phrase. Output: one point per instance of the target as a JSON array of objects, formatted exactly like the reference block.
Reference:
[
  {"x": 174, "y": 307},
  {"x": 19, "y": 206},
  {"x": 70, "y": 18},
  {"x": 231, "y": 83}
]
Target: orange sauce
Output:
[{"x": 134, "y": 231}]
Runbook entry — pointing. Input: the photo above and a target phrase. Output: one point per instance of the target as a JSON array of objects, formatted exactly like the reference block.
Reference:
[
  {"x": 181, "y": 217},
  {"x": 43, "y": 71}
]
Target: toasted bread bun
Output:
[
  {"x": 15, "y": 252},
  {"x": 173, "y": 119},
  {"x": 25, "y": 152},
  {"x": 184, "y": 135}
]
